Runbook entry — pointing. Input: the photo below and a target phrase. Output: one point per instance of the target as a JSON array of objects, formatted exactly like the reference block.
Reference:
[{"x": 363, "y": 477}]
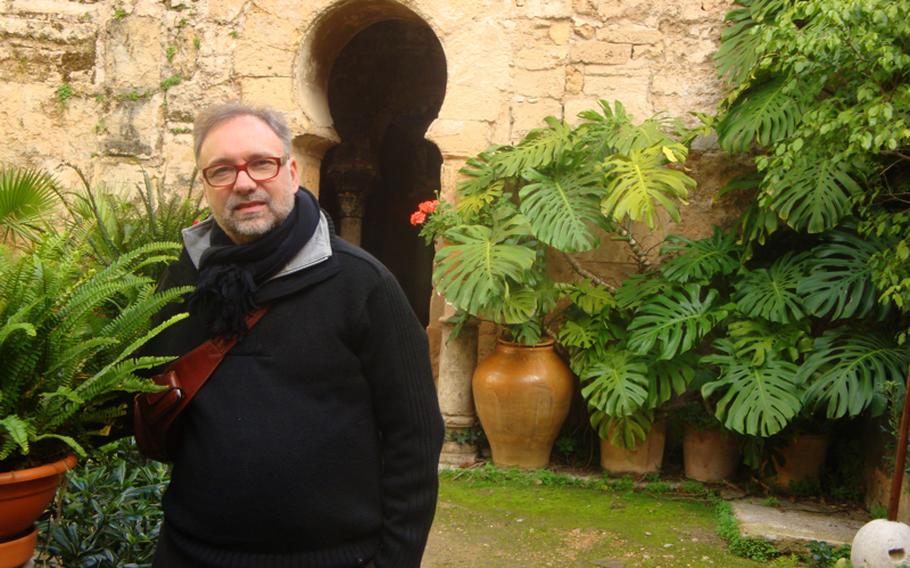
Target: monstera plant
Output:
[{"x": 555, "y": 194}]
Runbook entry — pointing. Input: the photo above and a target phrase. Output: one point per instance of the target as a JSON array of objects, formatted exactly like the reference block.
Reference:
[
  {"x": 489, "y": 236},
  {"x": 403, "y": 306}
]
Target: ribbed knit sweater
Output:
[{"x": 316, "y": 441}]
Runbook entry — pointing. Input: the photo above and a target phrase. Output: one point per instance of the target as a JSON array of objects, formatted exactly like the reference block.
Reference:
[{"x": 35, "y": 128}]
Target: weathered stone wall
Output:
[{"x": 112, "y": 85}]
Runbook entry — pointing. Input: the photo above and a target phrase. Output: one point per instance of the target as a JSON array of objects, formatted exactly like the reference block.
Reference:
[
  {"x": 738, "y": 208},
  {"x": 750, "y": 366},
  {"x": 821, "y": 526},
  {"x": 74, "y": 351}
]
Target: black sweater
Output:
[{"x": 316, "y": 441}]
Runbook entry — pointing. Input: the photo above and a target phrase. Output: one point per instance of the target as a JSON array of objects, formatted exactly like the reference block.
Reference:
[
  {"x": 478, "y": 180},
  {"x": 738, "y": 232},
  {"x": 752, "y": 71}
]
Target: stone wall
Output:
[{"x": 112, "y": 85}]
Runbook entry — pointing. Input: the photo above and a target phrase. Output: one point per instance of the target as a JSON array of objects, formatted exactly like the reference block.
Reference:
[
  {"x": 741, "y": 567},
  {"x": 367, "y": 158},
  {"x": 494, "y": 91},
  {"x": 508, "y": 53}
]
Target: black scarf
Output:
[{"x": 230, "y": 274}]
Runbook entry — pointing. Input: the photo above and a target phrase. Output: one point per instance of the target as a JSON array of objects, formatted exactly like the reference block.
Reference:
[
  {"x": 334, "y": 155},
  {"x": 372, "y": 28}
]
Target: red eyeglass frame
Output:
[{"x": 280, "y": 160}]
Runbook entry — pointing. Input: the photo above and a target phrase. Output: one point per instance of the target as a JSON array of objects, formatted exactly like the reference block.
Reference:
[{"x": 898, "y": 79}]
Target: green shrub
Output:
[{"x": 108, "y": 514}]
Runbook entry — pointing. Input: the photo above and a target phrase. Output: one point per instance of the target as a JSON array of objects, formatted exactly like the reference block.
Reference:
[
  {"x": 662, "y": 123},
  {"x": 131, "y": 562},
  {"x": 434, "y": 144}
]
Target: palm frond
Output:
[{"x": 26, "y": 197}]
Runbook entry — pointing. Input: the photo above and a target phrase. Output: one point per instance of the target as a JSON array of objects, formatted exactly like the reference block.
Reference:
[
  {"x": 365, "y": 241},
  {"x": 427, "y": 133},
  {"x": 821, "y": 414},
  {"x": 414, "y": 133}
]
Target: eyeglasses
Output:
[{"x": 259, "y": 169}]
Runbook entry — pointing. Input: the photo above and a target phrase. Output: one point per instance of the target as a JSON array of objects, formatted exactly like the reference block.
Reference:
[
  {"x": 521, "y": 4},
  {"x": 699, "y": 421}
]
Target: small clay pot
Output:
[
  {"x": 710, "y": 454},
  {"x": 646, "y": 457},
  {"x": 18, "y": 551}
]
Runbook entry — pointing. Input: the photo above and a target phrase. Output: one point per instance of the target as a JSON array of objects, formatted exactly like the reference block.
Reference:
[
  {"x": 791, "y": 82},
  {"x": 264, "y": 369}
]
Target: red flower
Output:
[
  {"x": 428, "y": 207},
  {"x": 418, "y": 217},
  {"x": 196, "y": 221}
]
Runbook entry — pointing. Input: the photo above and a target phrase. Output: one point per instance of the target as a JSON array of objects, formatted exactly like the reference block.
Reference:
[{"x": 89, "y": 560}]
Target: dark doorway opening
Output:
[{"x": 385, "y": 88}]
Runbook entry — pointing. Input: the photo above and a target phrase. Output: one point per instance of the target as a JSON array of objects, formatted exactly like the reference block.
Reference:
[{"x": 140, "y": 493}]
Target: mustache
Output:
[{"x": 234, "y": 200}]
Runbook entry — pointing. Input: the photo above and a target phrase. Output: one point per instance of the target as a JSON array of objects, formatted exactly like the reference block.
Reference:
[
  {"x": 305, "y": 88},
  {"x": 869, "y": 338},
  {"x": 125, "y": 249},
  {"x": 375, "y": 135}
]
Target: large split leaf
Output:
[
  {"x": 839, "y": 283},
  {"x": 675, "y": 321},
  {"x": 765, "y": 114},
  {"x": 848, "y": 368},
  {"x": 562, "y": 207},
  {"x": 477, "y": 271},
  {"x": 541, "y": 147},
  {"x": 640, "y": 184},
  {"x": 669, "y": 377},
  {"x": 616, "y": 384},
  {"x": 814, "y": 194},
  {"x": 756, "y": 400},
  {"x": 771, "y": 293},
  {"x": 700, "y": 260}
]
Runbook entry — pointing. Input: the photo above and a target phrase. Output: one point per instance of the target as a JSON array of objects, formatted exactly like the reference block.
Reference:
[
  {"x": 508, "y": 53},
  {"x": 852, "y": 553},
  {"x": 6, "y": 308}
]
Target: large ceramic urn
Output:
[{"x": 522, "y": 394}]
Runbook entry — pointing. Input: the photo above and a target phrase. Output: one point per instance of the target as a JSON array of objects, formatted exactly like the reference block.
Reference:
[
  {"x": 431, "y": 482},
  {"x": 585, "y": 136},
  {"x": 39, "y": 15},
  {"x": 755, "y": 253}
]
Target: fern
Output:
[{"x": 66, "y": 361}]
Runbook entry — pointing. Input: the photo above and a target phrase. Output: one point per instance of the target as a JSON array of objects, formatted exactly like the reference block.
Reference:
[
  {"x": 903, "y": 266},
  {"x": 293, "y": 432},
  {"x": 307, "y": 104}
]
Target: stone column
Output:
[
  {"x": 457, "y": 359},
  {"x": 352, "y": 209}
]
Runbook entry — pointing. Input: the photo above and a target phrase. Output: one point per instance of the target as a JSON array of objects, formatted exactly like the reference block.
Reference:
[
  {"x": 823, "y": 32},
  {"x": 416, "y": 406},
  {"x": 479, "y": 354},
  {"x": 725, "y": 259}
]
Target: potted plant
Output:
[
  {"x": 551, "y": 196},
  {"x": 710, "y": 451},
  {"x": 67, "y": 334}
]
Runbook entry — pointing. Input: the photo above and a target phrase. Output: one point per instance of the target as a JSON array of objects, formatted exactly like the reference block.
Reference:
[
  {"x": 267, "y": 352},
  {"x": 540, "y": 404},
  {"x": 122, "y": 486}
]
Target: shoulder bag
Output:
[{"x": 155, "y": 412}]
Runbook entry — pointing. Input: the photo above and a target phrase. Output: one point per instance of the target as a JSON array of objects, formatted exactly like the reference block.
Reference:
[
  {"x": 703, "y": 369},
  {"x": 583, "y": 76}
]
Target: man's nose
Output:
[{"x": 244, "y": 182}]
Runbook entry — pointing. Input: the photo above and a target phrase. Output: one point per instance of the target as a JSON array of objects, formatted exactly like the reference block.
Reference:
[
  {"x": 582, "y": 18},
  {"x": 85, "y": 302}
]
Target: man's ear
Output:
[{"x": 295, "y": 177}]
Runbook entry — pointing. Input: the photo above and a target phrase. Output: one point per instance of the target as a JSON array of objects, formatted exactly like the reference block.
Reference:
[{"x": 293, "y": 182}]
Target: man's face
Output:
[{"x": 248, "y": 209}]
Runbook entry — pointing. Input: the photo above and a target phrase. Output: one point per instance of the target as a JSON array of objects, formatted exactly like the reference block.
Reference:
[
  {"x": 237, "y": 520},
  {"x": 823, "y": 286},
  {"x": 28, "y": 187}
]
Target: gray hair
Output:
[{"x": 216, "y": 114}]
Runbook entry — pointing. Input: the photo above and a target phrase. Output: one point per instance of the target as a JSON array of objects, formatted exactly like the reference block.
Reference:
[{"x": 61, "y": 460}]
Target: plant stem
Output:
[
  {"x": 581, "y": 270},
  {"x": 641, "y": 255}
]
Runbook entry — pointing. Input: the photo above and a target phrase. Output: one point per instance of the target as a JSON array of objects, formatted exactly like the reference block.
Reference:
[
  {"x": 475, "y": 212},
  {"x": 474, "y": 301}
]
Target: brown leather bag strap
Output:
[{"x": 194, "y": 368}]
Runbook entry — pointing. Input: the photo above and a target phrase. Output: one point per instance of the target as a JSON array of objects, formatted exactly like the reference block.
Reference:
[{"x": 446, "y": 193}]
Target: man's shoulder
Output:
[{"x": 358, "y": 261}]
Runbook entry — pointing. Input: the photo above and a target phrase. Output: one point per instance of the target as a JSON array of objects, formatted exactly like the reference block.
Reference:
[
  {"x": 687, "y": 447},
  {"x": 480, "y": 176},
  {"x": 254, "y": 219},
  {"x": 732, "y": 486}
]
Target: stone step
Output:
[{"x": 791, "y": 526}]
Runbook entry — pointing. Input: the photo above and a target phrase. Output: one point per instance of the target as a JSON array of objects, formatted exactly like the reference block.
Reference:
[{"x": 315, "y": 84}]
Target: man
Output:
[{"x": 315, "y": 442}]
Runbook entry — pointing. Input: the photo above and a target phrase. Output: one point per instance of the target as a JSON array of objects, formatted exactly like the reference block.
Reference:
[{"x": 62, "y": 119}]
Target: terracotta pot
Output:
[
  {"x": 709, "y": 454},
  {"x": 17, "y": 552},
  {"x": 645, "y": 458},
  {"x": 522, "y": 394},
  {"x": 801, "y": 460},
  {"x": 24, "y": 495}
]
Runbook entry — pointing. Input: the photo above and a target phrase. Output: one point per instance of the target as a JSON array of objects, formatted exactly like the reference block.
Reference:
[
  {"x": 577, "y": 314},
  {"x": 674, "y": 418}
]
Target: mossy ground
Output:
[{"x": 501, "y": 519}]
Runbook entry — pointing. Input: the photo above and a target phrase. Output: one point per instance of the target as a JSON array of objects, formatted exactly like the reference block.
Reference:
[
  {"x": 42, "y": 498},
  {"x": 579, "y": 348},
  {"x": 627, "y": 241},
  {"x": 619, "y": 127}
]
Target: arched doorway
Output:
[{"x": 385, "y": 87}]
